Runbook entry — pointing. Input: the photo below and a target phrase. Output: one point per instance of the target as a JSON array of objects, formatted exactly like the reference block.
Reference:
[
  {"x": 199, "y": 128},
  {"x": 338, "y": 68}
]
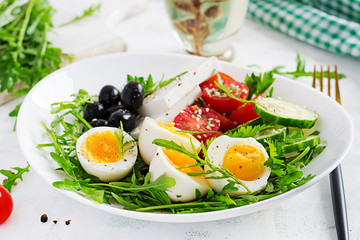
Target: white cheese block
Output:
[
  {"x": 167, "y": 97},
  {"x": 169, "y": 115}
]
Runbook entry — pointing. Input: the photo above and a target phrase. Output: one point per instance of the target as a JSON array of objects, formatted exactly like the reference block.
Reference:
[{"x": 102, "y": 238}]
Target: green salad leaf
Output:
[
  {"x": 150, "y": 85},
  {"x": 12, "y": 177},
  {"x": 87, "y": 13},
  {"x": 26, "y": 54},
  {"x": 258, "y": 84}
]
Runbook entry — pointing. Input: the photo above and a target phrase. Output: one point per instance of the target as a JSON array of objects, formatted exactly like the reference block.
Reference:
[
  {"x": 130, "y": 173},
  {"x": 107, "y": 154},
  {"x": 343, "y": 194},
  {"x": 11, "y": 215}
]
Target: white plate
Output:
[{"x": 92, "y": 74}]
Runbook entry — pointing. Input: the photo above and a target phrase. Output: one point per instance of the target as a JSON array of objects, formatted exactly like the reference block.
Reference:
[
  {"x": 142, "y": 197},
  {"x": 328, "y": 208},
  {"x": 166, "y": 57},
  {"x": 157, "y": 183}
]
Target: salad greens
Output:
[
  {"x": 87, "y": 13},
  {"x": 26, "y": 54},
  {"x": 12, "y": 177},
  {"x": 136, "y": 191},
  {"x": 300, "y": 70},
  {"x": 121, "y": 144},
  {"x": 258, "y": 84},
  {"x": 149, "y": 85}
]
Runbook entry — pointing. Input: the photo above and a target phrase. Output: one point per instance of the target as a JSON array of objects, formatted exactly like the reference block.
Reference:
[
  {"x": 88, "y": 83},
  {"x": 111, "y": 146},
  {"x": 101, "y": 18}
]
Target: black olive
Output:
[
  {"x": 127, "y": 119},
  {"x": 98, "y": 123},
  {"x": 132, "y": 95},
  {"x": 109, "y": 96},
  {"x": 94, "y": 110},
  {"x": 112, "y": 109}
]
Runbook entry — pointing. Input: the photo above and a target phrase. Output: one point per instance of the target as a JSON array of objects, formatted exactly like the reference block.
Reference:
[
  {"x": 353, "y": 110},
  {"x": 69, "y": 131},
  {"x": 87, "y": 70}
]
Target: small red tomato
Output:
[
  {"x": 245, "y": 112},
  {"x": 6, "y": 204},
  {"x": 217, "y": 99},
  {"x": 195, "y": 118}
]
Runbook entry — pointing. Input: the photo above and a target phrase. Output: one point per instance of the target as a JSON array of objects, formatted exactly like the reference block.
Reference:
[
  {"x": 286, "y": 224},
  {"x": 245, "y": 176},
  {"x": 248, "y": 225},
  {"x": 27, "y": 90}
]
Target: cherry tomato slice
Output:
[
  {"x": 244, "y": 113},
  {"x": 225, "y": 123},
  {"x": 195, "y": 118},
  {"x": 217, "y": 99},
  {"x": 6, "y": 204}
]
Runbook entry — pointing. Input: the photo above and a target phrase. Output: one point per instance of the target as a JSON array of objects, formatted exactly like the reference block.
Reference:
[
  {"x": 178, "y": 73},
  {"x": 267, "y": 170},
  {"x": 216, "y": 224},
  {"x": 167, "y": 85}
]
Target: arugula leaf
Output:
[
  {"x": 162, "y": 183},
  {"x": 87, "y": 13},
  {"x": 81, "y": 185},
  {"x": 12, "y": 177},
  {"x": 246, "y": 131},
  {"x": 149, "y": 85},
  {"x": 258, "y": 84},
  {"x": 300, "y": 71},
  {"x": 26, "y": 54},
  {"x": 290, "y": 178}
]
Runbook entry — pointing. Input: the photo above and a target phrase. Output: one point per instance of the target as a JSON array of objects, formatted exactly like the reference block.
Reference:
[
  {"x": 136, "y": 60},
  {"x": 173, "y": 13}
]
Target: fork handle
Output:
[{"x": 339, "y": 204}]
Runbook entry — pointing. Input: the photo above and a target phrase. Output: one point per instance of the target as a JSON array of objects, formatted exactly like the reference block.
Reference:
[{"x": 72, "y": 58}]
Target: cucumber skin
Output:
[
  {"x": 254, "y": 122},
  {"x": 310, "y": 141},
  {"x": 289, "y": 122}
]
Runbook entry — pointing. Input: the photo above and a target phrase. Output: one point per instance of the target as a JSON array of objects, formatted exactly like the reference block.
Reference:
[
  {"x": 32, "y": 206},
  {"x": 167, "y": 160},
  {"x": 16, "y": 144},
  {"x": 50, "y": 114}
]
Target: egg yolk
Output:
[
  {"x": 180, "y": 160},
  {"x": 245, "y": 161},
  {"x": 101, "y": 147},
  {"x": 170, "y": 127}
]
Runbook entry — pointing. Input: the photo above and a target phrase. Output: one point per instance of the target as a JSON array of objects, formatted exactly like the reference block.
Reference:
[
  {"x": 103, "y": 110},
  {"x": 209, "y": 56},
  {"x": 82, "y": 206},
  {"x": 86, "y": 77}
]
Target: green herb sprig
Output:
[
  {"x": 149, "y": 85},
  {"x": 87, "y": 13},
  {"x": 120, "y": 140},
  {"x": 26, "y": 54},
  {"x": 300, "y": 70},
  {"x": 12, "y": 177}
]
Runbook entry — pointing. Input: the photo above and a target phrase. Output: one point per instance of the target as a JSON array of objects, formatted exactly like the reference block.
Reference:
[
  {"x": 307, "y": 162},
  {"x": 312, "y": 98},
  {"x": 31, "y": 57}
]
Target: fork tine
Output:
[
  {"x": 321, "y": 79},
  {"x": 329, "y": 82},
  {"x": 337, "y": 88},
  {"x": 314, "y": 77}
]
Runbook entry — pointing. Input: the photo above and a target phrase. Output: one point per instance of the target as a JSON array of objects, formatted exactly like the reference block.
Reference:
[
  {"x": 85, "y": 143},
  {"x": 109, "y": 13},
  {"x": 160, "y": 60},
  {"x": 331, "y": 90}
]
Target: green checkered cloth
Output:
[{"x": 333, "y": 25}]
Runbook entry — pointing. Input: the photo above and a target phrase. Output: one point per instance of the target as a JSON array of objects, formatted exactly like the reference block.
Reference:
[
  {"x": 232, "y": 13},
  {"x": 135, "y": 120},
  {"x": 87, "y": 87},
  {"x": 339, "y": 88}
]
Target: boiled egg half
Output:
[
  {"x": 151, "y": 130},
  {"x": 175, "y": 165},
  {"x": 243, "y": 157},
  {"x": 99, "y": 153}
]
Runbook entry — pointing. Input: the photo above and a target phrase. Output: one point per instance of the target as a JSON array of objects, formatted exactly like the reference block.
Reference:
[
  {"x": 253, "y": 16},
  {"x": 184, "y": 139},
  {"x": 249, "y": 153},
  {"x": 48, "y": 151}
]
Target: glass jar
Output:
[{"x": 207, "y": 27}]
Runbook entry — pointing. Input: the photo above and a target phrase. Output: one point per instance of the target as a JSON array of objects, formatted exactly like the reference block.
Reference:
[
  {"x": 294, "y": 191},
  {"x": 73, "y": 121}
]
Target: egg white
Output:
[
  {"x": 216, "y": 152},
  {"x": 150, "y": 130},
  {"x": 108, "y": 172},
  {"x": 185, "y": 188}
]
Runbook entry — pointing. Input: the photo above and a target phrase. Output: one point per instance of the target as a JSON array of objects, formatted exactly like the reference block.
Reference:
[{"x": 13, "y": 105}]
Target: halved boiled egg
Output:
[
  {"x": 243, "y": 157},
  {"x": 99, "y": 154},
  {"x": 151, "y": 130},
  {"x": 175, "y": 165}
]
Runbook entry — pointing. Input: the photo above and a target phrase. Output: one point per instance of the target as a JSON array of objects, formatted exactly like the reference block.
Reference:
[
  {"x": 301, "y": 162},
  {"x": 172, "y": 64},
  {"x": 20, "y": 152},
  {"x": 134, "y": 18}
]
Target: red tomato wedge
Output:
[
  {"x": 6, "y": 204},
  {"x": 225, "y": 123},
  {"x": 217, "y": 99},
  {"x": 244, "y": 113},
  {"x": 195, "y": 118}
]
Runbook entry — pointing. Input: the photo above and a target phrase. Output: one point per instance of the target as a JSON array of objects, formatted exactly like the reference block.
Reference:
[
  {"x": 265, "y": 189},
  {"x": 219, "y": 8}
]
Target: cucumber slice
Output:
[
  {"x": 254, "y": 122},
  {"x": 310, "y": 141},
  {"x": 276, "y": 133},
  {"x": 285, "y": 113},
  {"x": 294, "y": 132}
]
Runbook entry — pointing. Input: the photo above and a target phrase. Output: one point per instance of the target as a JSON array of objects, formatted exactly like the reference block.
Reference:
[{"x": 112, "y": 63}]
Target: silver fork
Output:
[{"x": 336, "y": 179}]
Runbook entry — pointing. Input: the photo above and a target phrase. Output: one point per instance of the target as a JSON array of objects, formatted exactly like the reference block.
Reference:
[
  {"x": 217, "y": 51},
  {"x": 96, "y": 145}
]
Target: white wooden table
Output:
[{"x": 305, "y": 216}]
